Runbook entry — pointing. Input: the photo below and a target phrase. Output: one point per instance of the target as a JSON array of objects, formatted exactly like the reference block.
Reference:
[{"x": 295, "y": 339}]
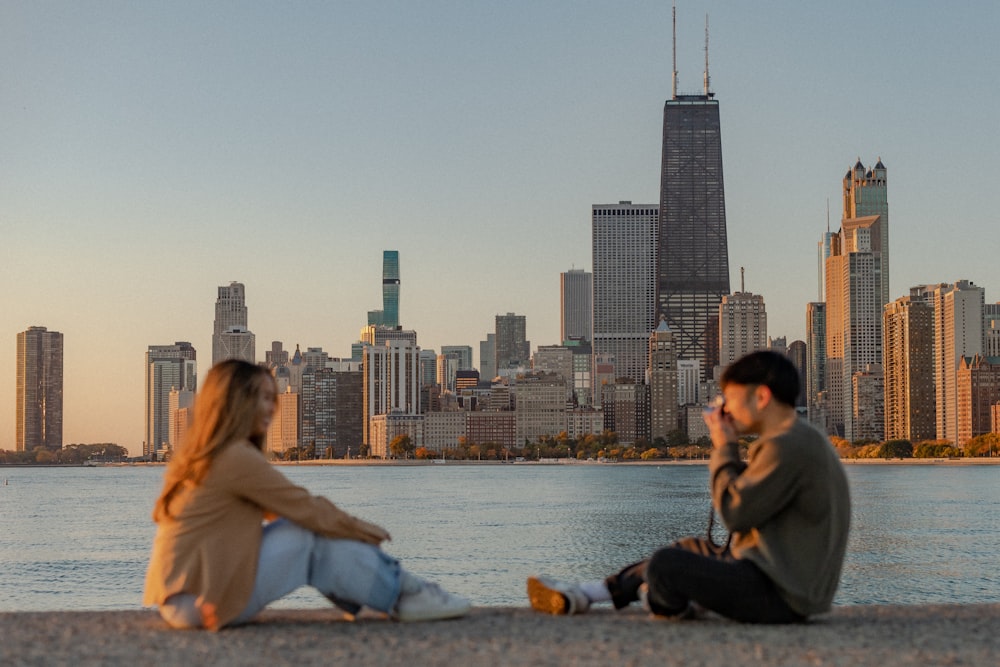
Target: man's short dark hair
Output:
[{"x": 774, "y": 371}]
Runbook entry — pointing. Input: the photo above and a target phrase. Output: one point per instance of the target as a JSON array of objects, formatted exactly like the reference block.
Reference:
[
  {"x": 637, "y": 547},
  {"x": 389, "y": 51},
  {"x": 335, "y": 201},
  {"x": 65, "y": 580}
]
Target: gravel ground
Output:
[{"x": 858, "y": 635}]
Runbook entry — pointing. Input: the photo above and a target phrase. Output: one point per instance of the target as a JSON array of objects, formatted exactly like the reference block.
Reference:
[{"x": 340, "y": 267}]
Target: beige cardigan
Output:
[{"x": 209, "y": 545}]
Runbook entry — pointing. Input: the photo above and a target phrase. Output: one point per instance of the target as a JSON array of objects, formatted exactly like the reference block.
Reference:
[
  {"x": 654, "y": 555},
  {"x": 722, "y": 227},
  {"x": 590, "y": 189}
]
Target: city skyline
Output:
[{"x": 316, "y": 131}]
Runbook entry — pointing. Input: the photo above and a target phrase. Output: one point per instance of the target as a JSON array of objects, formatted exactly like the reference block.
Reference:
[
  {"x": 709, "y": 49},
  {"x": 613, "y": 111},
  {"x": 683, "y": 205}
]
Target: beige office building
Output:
[
  {"x": 540, "y": 406},
  {"x": 742, "y": 326}
]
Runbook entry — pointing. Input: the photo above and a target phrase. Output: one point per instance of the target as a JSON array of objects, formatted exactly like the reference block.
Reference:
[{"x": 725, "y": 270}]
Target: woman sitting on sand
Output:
[{"x": 215, "y": 562}]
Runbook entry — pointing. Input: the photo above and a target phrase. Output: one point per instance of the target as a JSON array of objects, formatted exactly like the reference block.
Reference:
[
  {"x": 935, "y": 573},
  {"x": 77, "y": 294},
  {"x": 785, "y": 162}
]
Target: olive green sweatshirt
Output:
[{"x": 789, "y": 510}]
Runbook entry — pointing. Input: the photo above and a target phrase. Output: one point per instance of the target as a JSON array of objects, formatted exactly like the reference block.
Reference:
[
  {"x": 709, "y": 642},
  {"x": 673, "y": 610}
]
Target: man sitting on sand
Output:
[{"x": 787, "y": 507}]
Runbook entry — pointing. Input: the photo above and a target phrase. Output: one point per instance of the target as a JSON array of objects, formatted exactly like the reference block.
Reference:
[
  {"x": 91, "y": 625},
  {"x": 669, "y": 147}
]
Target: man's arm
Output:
[{"x": 746, "y": 496}]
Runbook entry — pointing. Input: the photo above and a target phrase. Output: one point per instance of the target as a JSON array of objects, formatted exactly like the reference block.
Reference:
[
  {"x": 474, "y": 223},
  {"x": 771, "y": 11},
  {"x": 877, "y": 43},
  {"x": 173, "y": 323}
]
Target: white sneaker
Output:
[
  {"x": 556, "y": 597},
  {"x": 430, "y": 603}
]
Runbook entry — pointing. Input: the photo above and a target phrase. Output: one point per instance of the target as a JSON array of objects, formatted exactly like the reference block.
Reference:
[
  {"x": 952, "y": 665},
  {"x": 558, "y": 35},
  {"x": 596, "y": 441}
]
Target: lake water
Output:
[{"x": 79, "y": 538}]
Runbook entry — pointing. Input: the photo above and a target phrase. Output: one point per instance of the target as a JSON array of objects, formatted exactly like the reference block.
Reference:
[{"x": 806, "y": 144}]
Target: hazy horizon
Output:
[{"x": 153, "y": 152}]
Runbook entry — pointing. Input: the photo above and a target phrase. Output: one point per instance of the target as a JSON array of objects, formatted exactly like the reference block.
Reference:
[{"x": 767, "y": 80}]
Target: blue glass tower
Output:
[{"x": 390, "y": 288}]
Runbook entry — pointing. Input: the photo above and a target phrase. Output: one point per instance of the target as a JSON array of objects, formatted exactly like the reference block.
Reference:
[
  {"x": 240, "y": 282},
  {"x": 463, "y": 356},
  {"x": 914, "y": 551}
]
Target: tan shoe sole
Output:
[{"x": 545, "y": 599}]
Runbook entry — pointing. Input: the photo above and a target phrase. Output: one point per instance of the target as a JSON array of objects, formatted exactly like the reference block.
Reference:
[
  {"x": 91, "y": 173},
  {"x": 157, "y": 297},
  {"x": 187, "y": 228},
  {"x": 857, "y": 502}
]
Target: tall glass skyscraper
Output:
[
  {"x": 624, "y": 258},
  {"x": 167, "y": 367},
  {"x": 390, "y": 288},
  {"x": 389, "y": 315},
  {"x": 692, "y": 272}
]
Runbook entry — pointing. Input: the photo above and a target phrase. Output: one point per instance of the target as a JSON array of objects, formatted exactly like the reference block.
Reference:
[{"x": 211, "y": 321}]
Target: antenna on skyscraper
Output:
[
  {"x": 743, "y": 288},
  {"x": 706, "y": 56},
  {"x": 827, "y": 215},
  {"x": 674, "y": 80}
]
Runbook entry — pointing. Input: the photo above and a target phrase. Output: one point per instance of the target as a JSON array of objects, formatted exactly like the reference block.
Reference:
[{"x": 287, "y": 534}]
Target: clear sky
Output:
[{"x": 150, "y": 152}]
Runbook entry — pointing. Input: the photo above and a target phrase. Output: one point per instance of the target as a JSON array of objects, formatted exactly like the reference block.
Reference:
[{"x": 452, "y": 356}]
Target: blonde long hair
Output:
[{"x": 224, "y": 412}]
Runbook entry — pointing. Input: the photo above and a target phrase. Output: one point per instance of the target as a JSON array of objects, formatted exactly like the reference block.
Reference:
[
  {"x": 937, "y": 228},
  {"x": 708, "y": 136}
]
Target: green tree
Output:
[
  {"x": 401, "y": 446},
  {"x": 987, "y": 444},
  {"x": 677, "y": 437},
  {"x": 896, "y": 449}
]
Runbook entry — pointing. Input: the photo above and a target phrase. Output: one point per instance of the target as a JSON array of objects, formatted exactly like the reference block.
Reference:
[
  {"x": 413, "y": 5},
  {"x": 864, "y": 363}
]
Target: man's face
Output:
[{"x": 743, "y": 407}]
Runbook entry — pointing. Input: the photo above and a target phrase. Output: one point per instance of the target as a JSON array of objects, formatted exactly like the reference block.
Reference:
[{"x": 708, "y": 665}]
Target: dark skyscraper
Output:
[
  {"x": 693, "y": 260},
  {"x": 39, "y": 389}
]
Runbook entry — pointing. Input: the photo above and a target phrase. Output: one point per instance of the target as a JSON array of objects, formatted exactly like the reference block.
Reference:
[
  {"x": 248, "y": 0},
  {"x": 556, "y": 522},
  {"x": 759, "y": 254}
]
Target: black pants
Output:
[{"x": 691, "y": 570}]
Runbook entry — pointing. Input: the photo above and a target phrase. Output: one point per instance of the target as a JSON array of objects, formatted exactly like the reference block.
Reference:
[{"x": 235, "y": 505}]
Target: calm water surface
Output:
[{"x": 78, "y": 538}]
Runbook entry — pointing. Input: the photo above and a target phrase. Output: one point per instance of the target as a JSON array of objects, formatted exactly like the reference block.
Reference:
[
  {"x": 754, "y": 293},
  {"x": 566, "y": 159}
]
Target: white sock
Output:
[{"x": 596, "y": 591}]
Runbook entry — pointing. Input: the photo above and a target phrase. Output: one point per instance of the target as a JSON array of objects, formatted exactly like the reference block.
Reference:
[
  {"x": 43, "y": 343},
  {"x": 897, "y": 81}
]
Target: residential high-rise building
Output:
[
  {"x": 556, "y": 359},
  {"x": 868, "y": 393},
  {"x": 576, "y": 303},
  {"x": 339, "y": 413},
  {"x": 991, "y": 329},
  {"x": 977, "y": 391},
  {"x": 447, "y": 371},
  {"x": 958, "y": 332},
  {"x": 231, "y": 339},
  {"x": 742, "y": 326},
  {"x": 624, "y": 239},
  {"x": 583, "y": 371},
  {"x": 462, "y": 353},
  {"x": 168, "y": 367},
  {"x": 512, "y": 348},
  {"x": 799, "y": 356},
  {"x": 389, "y": 315},
  {"x": 662, "y": 382},
  {"x": 692, "y": 273},
  {"x": 283, "y": 433},
  {"x": 816, "y": 369},
  {"x": 378, "y": 335},
  {"x": 626, "y": 411},
  {"x": 179, "y": 413},
  {"x": 866, "y": 195},
  {"x": 488, "y": 357},
  {"x": 391, "y": 382},
  {"x": 908, "y": 364},
  {"x": 428, "y": 368},
  {"x": 688, "y": 381},
  {"x": 39, "y": 413}
]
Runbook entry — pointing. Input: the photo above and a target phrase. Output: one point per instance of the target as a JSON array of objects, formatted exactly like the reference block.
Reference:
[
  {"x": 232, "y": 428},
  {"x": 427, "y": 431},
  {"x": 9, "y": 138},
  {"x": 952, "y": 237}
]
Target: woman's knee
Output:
[{"x": 356, "y": 572}]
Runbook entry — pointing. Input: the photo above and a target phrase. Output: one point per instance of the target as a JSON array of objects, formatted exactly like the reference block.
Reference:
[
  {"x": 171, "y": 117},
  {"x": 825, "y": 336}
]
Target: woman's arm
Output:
[{"x": 248, "y": 475}]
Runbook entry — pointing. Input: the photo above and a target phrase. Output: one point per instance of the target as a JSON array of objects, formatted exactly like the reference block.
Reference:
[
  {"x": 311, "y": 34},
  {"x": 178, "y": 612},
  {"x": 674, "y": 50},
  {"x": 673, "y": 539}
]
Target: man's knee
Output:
[
  {"x": 665, "y": 563},
  {"x": 665, "y": 574}
]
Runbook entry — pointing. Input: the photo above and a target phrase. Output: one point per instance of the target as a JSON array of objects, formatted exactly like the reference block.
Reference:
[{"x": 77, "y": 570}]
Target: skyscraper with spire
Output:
[{"x": 692, "y": 272}]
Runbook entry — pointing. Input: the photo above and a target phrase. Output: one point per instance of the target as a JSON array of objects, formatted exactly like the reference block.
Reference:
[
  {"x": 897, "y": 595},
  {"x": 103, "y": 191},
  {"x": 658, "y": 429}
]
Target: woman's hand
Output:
[{"x": 369, "y": 532}]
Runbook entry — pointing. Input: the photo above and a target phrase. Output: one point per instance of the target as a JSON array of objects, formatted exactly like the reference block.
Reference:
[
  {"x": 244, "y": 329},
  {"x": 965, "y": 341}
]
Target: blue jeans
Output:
[{"x": 350, "y": 574}]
